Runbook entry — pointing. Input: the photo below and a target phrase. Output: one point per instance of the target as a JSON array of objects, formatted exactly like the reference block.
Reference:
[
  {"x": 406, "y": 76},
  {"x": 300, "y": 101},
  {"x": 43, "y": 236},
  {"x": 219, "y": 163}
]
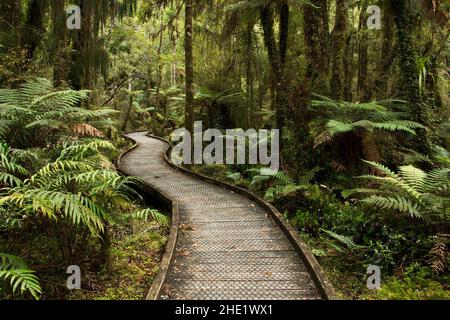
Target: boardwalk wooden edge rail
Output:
[
  {"x": 323, "y": 284},
  {"x": 156, "y": 289}
]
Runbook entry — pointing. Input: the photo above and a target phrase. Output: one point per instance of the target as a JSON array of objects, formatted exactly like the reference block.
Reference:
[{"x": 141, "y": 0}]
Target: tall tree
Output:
[
  {"x": 34, "y": 26},
  {"x": 277, "y": 57},
  {"x": 386, "y": 58},
  {"x": 338, "y": 41},
  {"x": 59, "y": 46},
  {"x": 189, "y": 66},
  {"x": 315, "y": 17},
  {"x": 363, "y": 57},
  {"x": 409, "y": 84}
]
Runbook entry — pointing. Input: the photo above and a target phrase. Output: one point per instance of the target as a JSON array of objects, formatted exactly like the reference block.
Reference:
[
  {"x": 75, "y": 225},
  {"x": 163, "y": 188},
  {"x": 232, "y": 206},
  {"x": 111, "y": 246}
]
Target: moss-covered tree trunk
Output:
[
  {"x": 317, "y": 38},
  {"x": 409, "y": 82},
  {"x": 277, "y": 58},
  {"x": 338, "y": 41},
  {"x": 349, "y": 67},
  {"x": 59, "y": 42},
  {"x": 189, "y": 66},
  {"x": 249, "y": 77},
  {"x": 386, "y": 58}
]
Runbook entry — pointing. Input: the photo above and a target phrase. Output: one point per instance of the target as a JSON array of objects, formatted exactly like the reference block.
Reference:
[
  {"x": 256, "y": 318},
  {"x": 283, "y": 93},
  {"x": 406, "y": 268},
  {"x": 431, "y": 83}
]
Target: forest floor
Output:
[{"x": 136, "y": 254}]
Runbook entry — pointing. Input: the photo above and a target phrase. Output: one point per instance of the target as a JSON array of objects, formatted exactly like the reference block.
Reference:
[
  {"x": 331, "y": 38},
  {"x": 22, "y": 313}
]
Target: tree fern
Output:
[
  {"x": 339, "y": 117},
  {"x": 36, "y": 109}
]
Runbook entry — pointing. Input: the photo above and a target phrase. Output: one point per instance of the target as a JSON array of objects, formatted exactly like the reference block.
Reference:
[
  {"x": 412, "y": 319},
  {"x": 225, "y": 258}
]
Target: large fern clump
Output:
[
  {"x": 36, "y": 114},
  {"x": 411, "y": 191},
  {"x": 333, "y": 118},
  {"x": 79, "y": 186}
]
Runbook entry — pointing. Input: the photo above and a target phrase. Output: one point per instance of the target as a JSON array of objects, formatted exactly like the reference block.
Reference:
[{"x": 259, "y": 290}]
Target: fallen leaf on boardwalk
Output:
[
  {"x": 184, "y": 253},
  {"x": 186, "y": 227},
  {"x": 268, "y": 274}
]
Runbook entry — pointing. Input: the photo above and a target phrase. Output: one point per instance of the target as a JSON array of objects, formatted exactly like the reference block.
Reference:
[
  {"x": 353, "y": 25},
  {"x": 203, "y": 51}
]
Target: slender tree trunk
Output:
[
  {"x": 364, "y": 94},
  {"x": 349, "y": 67},
  {"x": 159, "y": 69},
  {"x": 34, "y": 27},
  {"x": 277, "y": 59},
  {"x": 130, "y": 106},
  {"x": 363, "y": 68},
  {"x": 59, "y": 42},
  {"x": 249, "y": 75},
  {"x": 338, "y": 39},
  {"x": 386, "y": 59},
  {"x": 316, "y": 29},
  {"x": 409, "y": 84},
  {"x": 189, "y": 65}
]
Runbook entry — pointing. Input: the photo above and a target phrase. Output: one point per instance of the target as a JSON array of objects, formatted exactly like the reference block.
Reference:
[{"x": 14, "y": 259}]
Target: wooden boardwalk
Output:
[{"x": 228, "y": 247}]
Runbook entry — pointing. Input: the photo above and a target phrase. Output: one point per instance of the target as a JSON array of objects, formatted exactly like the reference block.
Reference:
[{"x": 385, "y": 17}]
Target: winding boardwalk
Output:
[{"x": 228, "y": 246}]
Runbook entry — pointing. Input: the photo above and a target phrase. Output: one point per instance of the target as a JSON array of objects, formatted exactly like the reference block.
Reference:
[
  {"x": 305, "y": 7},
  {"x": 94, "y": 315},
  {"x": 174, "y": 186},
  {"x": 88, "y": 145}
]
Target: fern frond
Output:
[
  {"x": 398, "y": 203},
  {"x": 381, "y": 168},
  {"x": 414, "y": 177},
  {"x": 155, "y": 215},
  {"x": 14, "y": 269},
  {"x": 437, "y": 180},
  {"x": 347, "y": 241}
]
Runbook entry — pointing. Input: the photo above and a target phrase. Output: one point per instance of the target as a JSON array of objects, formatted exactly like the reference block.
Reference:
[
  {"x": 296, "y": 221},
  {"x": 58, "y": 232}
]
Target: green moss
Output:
[{"x": 410, "y": 289}]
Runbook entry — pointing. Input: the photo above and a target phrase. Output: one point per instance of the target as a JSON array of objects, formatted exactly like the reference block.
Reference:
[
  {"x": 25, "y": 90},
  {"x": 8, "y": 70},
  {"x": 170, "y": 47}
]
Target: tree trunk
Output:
[
  {"x": 189, "y": 65},
  {"x": 250, "y": 116},
  {"x": 34, "y": 27},
  {"x": 130, "y": 107},
  {"x": 349, "y": 67},
  {"x": 409, "y": 85},
  {"x": 277, "y": 59},
  {"x": 364, "y": 94},
  {"x": 338, "y": 40},
  {"x": 59, "y": 42},
  {"x": 317, "y": 46},
  {"x": 386, "y": 59}
]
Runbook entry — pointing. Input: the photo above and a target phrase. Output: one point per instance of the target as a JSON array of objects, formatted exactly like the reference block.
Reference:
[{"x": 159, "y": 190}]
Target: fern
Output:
[
  {"x": 398, "y": 203},
  {"x": 13, "y": 268},
  {"x": 36, "y": 109},
  {"x": 337, "y": 117},
  {"x": 80, "y": 149},
  {"x": 412, "y": 191},
  {"x": 347, "y": 241},
  {"x": 381, "y": 168},
  {"x": 145, "y": 214}
]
